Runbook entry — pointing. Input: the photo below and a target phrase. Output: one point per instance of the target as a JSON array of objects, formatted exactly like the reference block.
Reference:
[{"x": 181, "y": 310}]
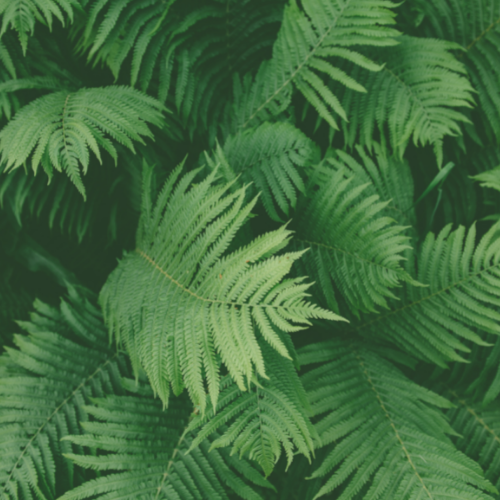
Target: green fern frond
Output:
[
  {"x": 489, "y": 179},
  {"x": 145, "y": 448},
  {"x": 385, "y": 437},
  {"x": 45, "y": 384},
  {"x": 60, "y": 128},
  {"x": 271, "y": 414},
  {"x": 181, "y": 306},
  {"x": 355, "y": 251},
  {"x": 462, "y": 295},
  {"x": 272, "y": 157},
  {"x": 415, "y": 96},
  {"x": 307, "y": 41},
  {"x": 478, "y": 430},
  {"x": 475, "y": 25},
  {"x": 21, "y": 15}
]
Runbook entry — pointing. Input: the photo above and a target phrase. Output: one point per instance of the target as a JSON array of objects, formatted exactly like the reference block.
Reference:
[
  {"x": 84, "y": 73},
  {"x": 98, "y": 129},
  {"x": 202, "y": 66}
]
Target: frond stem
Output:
[{"x": 481, "y": 35}]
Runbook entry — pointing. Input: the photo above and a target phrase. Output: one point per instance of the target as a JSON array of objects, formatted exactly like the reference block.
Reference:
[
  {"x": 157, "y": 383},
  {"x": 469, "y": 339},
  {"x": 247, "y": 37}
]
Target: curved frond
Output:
[
  {"x": 356, "y": 251},
  {"x": 271, "y": 414},
  {"x": 181, "y": 305},
  {"x": 307, "y": 41},
  {"x": 475, "y": 25},
  {"x": 489, "y": 179},
  {"x": 385, "y": 437},
  {"x": 22, "y": 14},
  {"x": 46, "y": 381},
  {"x": 144, "y": 448},
  {"x": 59, "y": 129},
  {"x": 272, "y": 157},
  {"x": 463, "y": 295},
  {"x": 417, "y": 95}
]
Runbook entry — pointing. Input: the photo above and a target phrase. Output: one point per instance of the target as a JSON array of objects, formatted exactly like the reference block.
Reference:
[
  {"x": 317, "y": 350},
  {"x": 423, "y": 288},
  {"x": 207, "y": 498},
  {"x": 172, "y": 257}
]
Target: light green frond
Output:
[
  {"x": 475, "y": 25},
  {"x": 307, "y": 41},
  {"x": 489, "y": 179},
  {"x": 270, "y": 415},
  {"x": 385, "y": 437},
  {"x": 462, "y": 296},
  {"x": 142, "y": 454},
  {"x": 181, "y": 304},
  {"x": 22, "y": 14},
  {"x": 272, "y": 157},
  {"x": 62, "y": 362},
  {"x": 417, "y": 95},
  {"x": 59, "y": 129},
  {"x": 355, "y": 250}
]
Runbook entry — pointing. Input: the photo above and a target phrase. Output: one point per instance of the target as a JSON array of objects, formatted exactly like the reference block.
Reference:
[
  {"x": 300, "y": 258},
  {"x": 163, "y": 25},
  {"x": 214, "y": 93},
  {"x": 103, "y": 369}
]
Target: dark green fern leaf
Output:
[
  {"x": 355, "y": 251},
  {"x": 462, "y": 296},
  {"x": 60, "y": 128},
  {"x": 271, "y": 414},
  {"x": 475, "y": 25},
  {"x": 272, "y": 157},
  {"x": 44, "y": 386},
  {"x": 142, "y": 454},
  {"x": 181, "y": 306},
  {"x": 385, "y": 437},
  {"x": 415, "y": 96},
  {"x": 307, "y": 41}
]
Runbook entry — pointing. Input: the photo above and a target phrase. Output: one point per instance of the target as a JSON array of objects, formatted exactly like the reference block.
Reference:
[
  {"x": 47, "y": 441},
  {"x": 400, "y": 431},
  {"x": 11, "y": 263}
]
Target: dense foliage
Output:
[{"x": 250, "y": 249}]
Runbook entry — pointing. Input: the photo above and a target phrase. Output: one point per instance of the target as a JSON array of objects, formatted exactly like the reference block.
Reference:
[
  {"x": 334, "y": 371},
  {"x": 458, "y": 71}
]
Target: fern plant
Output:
[{"x": 249, "y": 249}]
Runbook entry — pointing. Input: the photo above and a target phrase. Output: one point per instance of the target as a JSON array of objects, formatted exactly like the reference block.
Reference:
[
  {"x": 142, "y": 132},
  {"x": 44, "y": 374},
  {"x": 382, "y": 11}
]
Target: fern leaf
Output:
[
  {"x": 475, "y": 25},
  {"x": 462, "y": 296},
  {"x": 415, "y": 96},
  {"x": 269, "y": 415},
  {"x": 50, "y": 376},
  {"x": 272, "y": 157},
  {"x": 489, "y": 179},
  {"x": 60, "y": 128},
  {"x": 352, "y": 245},
  {"x": 478, "y": 434},
  {"x": 22, "y": 14},
  {"x": 144, "y": 449},
  {"x": 301, "y": 54},
  {"x": 384, "y": 435},
  {"x": 178, "y": 303}
]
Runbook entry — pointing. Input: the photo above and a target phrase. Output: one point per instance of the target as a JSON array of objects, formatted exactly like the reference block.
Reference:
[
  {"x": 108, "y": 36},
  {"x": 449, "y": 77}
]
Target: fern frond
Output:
[
  {"x": 145, "y": 447},
  {"x": 355, "y": 251},
  {"x": 489, "y": 179},
  {"x": 55, "y": 369},
  {"x": 307, "y": 40},
  {"x": 475, "y": 25},
  {"x": 462, "y": 295},
  {"x": 415, "y": 96},
  {"x": 271, "y": 414},
  {"x": 21, "y": 15},
  {"x": 385, "y": 437},
  {"x": 180, "y": 306},
  {"x": 270, "y": 156},
  {"x": 60, "y": 128},
  {"x": 478, "y": 432}
]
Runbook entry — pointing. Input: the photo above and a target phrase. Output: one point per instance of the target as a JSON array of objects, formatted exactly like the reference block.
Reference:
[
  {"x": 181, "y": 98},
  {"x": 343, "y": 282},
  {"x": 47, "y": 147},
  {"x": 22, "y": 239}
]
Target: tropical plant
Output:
[{"x": 249, "y": 249}]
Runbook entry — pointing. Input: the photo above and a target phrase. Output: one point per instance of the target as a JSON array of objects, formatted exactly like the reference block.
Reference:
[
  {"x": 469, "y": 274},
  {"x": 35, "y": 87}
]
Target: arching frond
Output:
[
  {"x": 59, "y": 129},
  {"x": 51, "y": 375},
  {"x": 415, "y": 96},
  {"x": 356, "y": 252},
  {"x": 307, "y": 41},
  {"x": 385, "y": 437},
  {"x": 462, "y": 295},
  {"x": 272, "y": 157},
  {"x": 271, "y": 414},
  {"x": 181, "y": 305},
  {"x": 145, "y": 453},
  {"x": 489, "y": 179},
  {"x": 22, "y": 14},
  {"x": 475, "y": 25}
]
